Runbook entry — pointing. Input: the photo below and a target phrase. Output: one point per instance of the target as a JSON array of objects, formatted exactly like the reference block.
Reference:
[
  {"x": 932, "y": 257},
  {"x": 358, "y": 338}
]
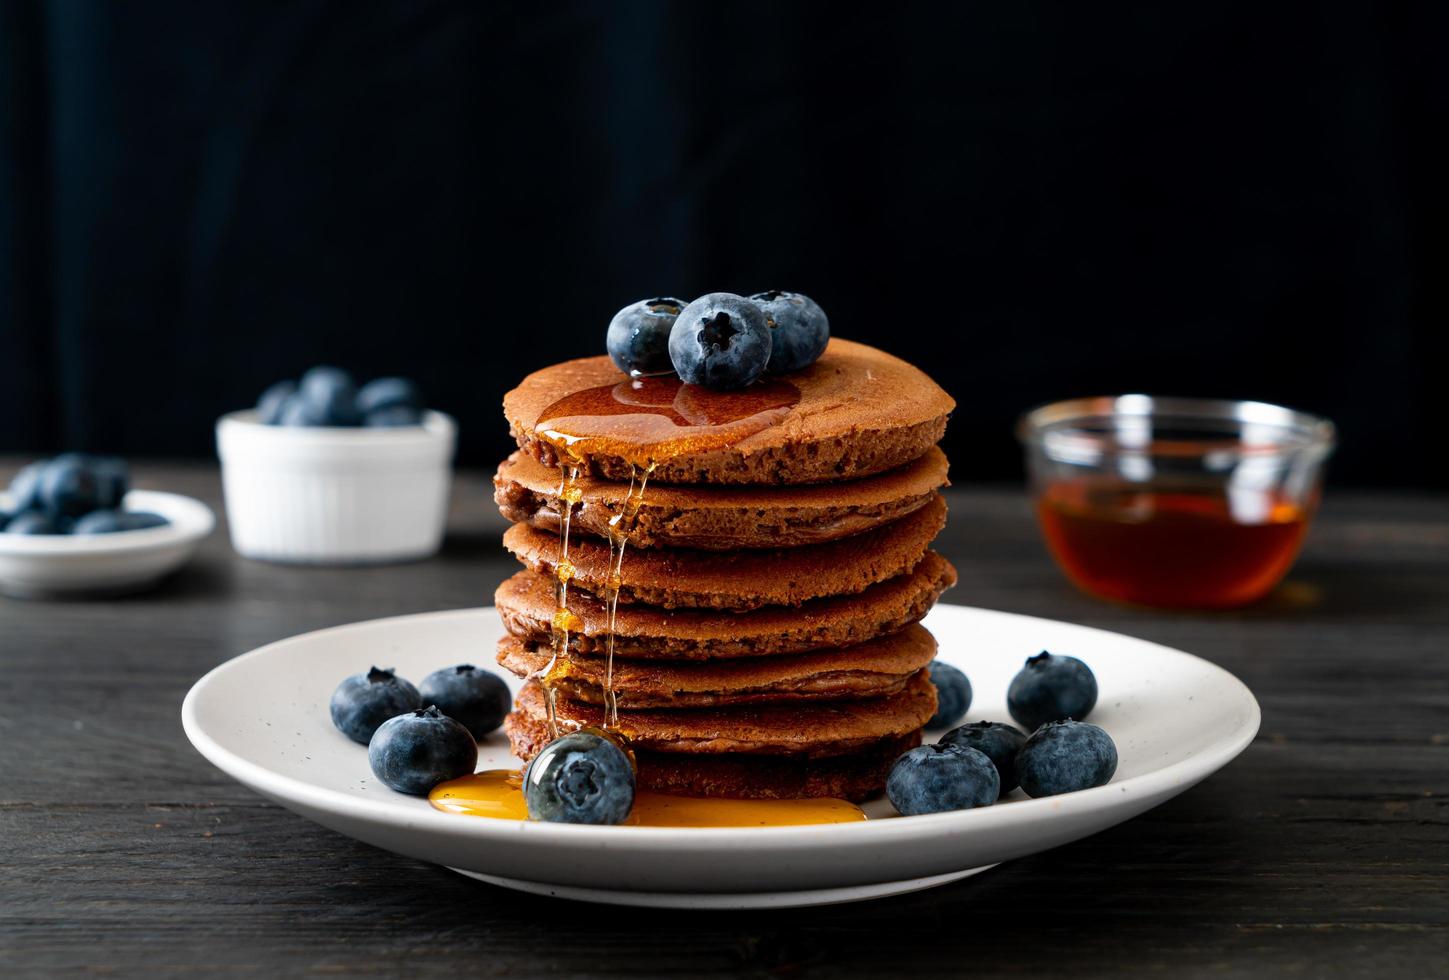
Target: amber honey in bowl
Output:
[
  {"x": 1185, "y": 547},
  {"x": 1183, "y": 503}
]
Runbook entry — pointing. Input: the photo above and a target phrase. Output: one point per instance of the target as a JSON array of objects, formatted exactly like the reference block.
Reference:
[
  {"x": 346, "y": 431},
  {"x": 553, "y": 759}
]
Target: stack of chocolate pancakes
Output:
[{"x": 765, "y": 641}]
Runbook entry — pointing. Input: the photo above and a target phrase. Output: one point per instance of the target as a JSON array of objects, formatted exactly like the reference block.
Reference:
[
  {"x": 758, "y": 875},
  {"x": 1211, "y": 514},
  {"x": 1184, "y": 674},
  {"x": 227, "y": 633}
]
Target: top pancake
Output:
[
  {"x": 728, "y": 518},
  {"x": 861, "y": 411}
]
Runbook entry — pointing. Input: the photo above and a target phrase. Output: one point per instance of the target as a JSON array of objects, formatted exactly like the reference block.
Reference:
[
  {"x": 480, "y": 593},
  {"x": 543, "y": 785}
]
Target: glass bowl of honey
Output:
[{"x": 1183, "y": 503}]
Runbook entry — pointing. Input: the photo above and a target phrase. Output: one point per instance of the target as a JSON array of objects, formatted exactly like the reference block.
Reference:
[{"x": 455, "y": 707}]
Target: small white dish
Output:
[
  {"x": 57, "y": 565},
  {"x": 263, "y": 719},
  {"x": 336, "y": 496}
]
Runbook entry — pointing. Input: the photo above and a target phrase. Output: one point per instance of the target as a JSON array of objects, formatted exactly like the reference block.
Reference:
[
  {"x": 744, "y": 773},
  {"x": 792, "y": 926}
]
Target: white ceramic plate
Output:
[
  {"x": 41, "y": 565},
  {"x": 263, "y": 719}
]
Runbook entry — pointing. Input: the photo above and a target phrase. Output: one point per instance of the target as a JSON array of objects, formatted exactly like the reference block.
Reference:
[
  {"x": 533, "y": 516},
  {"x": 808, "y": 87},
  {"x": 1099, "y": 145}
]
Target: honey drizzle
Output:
[
  {"x": 621, "y": 525},
  {"x": 564, "y": 621}
]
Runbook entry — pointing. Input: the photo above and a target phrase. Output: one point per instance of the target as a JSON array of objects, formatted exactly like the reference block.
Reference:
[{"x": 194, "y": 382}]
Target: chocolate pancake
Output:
[
  {"x": 722, "y": 518},
  {"x": 813, "y": 730},
  {"x": 526, "y": 604},
  {"x": 873, "y": 669},
  {"x": 860, "y": 412},
  {"x": 741, "y": 580}
]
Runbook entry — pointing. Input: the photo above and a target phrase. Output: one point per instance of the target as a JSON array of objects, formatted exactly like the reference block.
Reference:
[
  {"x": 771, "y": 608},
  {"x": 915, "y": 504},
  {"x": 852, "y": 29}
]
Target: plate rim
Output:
[{"x": 1183, "y": 773}]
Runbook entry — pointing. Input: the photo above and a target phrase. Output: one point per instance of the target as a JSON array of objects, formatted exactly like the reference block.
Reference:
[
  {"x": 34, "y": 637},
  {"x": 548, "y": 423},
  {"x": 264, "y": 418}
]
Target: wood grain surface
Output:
[{"x": 1322, "y": 852}]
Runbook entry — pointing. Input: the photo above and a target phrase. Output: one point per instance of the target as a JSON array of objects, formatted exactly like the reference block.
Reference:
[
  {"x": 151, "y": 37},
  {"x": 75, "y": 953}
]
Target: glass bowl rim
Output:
[{"x": 1304, "y": 432}]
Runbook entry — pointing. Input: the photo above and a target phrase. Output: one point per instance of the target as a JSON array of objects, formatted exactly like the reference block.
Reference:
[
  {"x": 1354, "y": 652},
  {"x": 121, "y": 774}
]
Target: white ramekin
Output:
[{"x": 335, "y": 495}]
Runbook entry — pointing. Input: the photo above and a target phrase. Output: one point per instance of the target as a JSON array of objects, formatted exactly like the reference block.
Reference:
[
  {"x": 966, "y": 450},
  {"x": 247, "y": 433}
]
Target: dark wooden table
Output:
[{"x": 1323, "y": 851}]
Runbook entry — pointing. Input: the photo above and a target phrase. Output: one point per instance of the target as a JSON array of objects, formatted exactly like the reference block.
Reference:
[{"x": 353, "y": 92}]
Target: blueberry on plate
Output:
[
  {"x": 381, "y": 393},
  {"x": 720, "y": 341},
  {"x": 25, "y": 487},
  {"x": 953, "y": 695},
  {"x": 999, "y": 742},
  {"x": 799, "y": 329},
  {"x": 393, "y": 417},
  {"x": 475, "y": 698},
  {"x": 38, "y": 522},
  {"x": 1065, "y": 756},
  {"x": 1051, "y": 688},
  {"x": 364, "y": 701},
  {"x": 583, "y": 777},
  {"x": 935, "y": 778},
  {"x": 5, "y": 516},
  {"x": 416, "y": 751},
  {"x": 270, "y": 405},
  {"x": 638, "y": 337},
  {"x": 69, "y": 487},
  {"x": 331, "y": 395}
]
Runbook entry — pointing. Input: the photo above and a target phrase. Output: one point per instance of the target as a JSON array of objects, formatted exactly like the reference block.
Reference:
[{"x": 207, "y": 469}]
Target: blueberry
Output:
[
  {"x": 69, "y": 486},
  {"x": 112, "y": 521},
  {"x": 1051, "y": 688},
  {"x": 934, "y": 778},
  {"x": 720, "y": 341},
  {"x": 393, "y": 417},
  {"x": 389, "y": 393},
  {"x": 114, "y": 479},
  {"x": 799, "y": 329},
  {"x": 476, "y": 698},
  {"x": 638, "y": 337},
  {"x": 269, "y": 406},
  {"x": 953, "y": 695},
  {"x": 38, "y": 522},
  {"x": 999, "y": 742},
  {"x": 364, "y": 701},
  {"x": 331, "y": 396},
  {"x": 416, "y": 751},
  {"x": 25, "y": 487},
  {"x": 298, "y": 412},
  {"x": 1065, "y": 756},
  {"x": 583, "y": 777},
  {"x": 5, "y": 516}
]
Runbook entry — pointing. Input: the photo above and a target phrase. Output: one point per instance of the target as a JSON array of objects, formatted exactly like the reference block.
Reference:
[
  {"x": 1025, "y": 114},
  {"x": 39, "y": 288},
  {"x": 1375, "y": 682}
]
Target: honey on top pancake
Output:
[
  {"x": 872, "y": 669},
  {"x": 722, "y": 518},
  {"x": 740, "y": 580},
  {"x": 526, "y": 604},
  {"x": 810, "y": 729},
  {"x": 855, "y": 412}
]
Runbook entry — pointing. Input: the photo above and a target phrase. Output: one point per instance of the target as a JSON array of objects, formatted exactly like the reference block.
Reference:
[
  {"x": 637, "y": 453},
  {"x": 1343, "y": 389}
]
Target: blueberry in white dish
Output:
[
  {"x": 5, "y": 516},
  {"x": 299, "y": 413},
  {"x": 583, "y": 777},
  {"x": 393, "y": 417},
  {"x": 1066, "y": 756},
  {"x": 1051, "y": 688},
  {"x": 114, "y": 521},
  {"x": 476, "y": 699},
  {"x": 381, "y": 393},
  {"x": 997, "y": 741},
  {"x": 38, "y": 522},
  {"x": 362, "y": 702},
  {"x": 273, "y": 400},
  {"x": 799, "y": 329},
  {"x": 638, "y": 336},
  {"x": 25, "y": 487},
  {"x": 69, "y": 486},
  {"x": 331, "y": 395},
  {"x": 953, "y": 695},
  {"x": 721, "y": 341},
  {"x": 113, "y": 478},
  {"x": 937, "y": 778},
  {"x": 416, "y": 751}
]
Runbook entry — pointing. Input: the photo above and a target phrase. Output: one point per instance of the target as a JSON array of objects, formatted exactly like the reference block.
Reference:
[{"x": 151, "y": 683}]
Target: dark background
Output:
[{"x": 1031, "y": 202}]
